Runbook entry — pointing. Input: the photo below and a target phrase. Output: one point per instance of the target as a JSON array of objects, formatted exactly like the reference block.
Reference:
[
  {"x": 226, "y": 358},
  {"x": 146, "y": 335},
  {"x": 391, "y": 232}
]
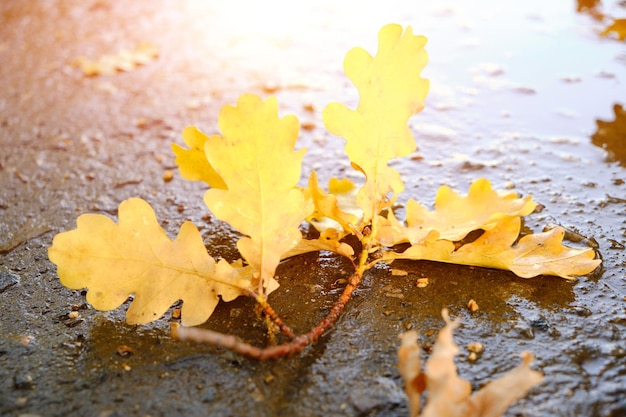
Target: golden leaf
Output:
[
  {"x": 123, "y": 60},
  {"x": 329, "y": 240},
  {"x": 495, "y": 397},
  {"x": 449, "y": 395},
  {"x": 192, "y": 162},
  {"x": 136, "y": 257},
  {"x": 256, "y": 160},
  {"x": 334, "y": 215},
  {"x": 391, "y": 90},
  {"x": 533, "y": 255},
  {"x": 410, "y": 367},
  {"x": 328, "y": 212},
  {"x": 618, "y": 26},
  {"x": 447, "y": 391},
  {"x": 456, "y": 215},
  {"x": 583, "y": 5},
  {"x": 340, "y": 185}
]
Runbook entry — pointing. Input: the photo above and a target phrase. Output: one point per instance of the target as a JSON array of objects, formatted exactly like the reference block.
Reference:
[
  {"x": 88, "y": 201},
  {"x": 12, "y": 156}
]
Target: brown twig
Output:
[
  {"x": 296, "y": 345},
  {"x": 273, "y": 316}
]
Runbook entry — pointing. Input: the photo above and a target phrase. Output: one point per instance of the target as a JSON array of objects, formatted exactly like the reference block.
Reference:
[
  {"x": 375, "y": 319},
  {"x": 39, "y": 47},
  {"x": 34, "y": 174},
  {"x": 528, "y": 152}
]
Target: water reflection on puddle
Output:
[
  {"x": 534, "y": 67},
  {"x": 611, "y": 136}
]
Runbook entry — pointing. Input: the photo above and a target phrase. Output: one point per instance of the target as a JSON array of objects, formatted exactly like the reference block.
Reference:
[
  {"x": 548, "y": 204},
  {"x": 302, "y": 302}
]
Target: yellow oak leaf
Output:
[
  {"x": 256, "y": 160},
  {"x": 583, "y": 5},
  {"x": 135, "y": 256},
  {"x": 328, "y": 212},
  {"x": 122, "y": 60},
  {"x": 192, "y": 162},
  {"x": 329, "y": 240},
  {"x": 618, "y": 26},
  {"x": 391, "y": 91},
  {"x": 334, "y": 215},
  {"x": 449, "y": 395},
  {"x": 533, "y": 255},
  {"x": 456, "y": 215},
  {"x": 340, "y": 185},
  {"x": 390, "y": 231}
]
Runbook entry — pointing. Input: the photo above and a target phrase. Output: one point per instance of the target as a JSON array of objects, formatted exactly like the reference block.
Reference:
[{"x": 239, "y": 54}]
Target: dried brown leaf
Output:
[{"x": 449, "y": 395}]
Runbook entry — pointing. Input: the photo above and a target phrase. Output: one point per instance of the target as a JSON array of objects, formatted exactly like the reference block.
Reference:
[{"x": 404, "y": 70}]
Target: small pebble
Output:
[
  {"x": 168, "y": 176},
  {"x": 526, "y": 333},
  {"x": 26, "y": 339},
  {"x": 540, "y": 324},
  {"x": 125, "y": 351},
  {"x": 422, "y": 282},
  {"x": 472, "y": 305},
  {"x": 315, "y": 288},
  {"x": 393, "y": 292},
  {"x": 22, "y": 381},
  {"x": 7, "y": 280},
  {"x": 208, "y": 394},
  {"x": 307, "y": 126},
  {"x": 20, "y": 402},
  {"x": 476, "y": 347}
]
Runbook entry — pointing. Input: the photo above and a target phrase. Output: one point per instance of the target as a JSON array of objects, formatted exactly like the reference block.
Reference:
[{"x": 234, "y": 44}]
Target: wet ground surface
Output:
[{"x": 517, "y": 92}]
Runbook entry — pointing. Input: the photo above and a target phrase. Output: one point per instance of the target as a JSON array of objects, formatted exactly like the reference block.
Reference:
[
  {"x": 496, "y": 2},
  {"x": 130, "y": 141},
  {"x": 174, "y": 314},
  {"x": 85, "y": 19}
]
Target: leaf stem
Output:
[
  {"x": 272, "y": 315},
  {"x": 296, "y": 345}
]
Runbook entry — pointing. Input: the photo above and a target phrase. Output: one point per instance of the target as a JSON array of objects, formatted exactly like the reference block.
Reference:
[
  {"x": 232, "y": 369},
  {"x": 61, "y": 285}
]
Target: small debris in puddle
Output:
[
  {"x": 422, "y": 282},
  {"x": 23, "y": 381},
  {"x": 540, "y": 323},
  {"x": 472, "y": 305},
  {"x": 26, "y": 339},
  {"x": 308, "y": 126},
  {"x": 391, "y": 291},
  {"x": 7, "y": 280},
  {"x": 125, "y": 351},
  {"x": 476, "y": 347}
]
